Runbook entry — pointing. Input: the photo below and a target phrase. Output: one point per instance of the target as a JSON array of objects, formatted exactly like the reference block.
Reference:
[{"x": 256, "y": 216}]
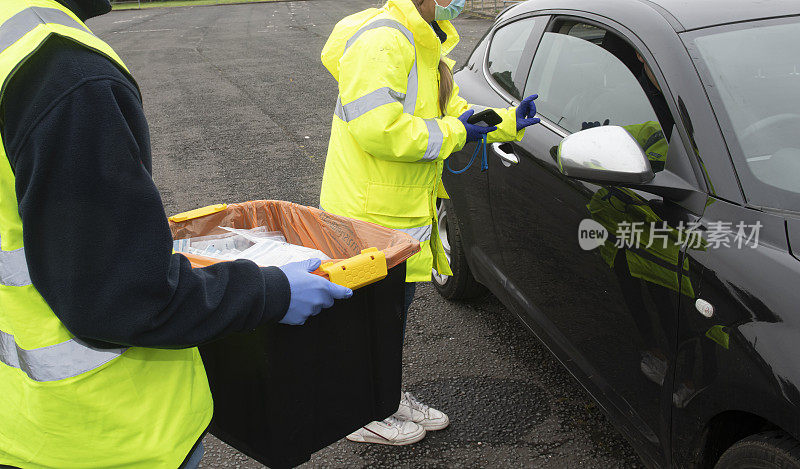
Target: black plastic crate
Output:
[{"x": 283, "y": 392}]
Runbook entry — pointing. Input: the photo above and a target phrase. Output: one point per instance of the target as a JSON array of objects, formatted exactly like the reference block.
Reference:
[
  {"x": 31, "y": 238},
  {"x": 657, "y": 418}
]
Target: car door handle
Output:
[{"x": 506, "y": 157}]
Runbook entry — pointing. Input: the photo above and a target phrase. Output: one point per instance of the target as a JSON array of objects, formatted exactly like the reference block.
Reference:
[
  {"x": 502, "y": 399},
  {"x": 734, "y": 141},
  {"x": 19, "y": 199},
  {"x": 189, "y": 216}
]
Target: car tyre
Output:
[
  {"x": 773, "y": 449},
  {"x": 461, "y": 285}
]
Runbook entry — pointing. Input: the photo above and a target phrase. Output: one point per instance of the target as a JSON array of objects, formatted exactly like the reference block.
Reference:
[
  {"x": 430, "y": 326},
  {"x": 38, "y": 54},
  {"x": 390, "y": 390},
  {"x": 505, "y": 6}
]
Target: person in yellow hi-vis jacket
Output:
[
  {"x": 99, "y": 320},
  {"x": 397, "y": 118}
]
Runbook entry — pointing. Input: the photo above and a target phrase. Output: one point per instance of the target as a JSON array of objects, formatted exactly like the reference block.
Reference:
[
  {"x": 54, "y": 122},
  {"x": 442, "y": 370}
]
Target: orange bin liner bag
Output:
[{"x": 338, "y": 237}]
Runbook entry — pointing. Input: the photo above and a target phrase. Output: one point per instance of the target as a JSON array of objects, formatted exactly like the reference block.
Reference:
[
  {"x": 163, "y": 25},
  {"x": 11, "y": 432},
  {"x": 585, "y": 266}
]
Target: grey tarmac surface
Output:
[{"x": 240, "y": 107}]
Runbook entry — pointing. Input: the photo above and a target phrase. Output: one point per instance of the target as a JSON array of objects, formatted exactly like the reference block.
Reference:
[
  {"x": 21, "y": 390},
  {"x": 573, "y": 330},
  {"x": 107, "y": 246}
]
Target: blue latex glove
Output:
[
  {"x": 474, "y": 132},
  {"x": 310, "y": 293},
  {"x": 526, "y": 112},
  {"x": 591, "y": 125}
]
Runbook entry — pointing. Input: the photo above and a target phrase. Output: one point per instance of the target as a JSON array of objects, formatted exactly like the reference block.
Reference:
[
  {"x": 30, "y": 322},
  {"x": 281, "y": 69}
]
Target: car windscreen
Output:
[{"x": 752, "y": 74}]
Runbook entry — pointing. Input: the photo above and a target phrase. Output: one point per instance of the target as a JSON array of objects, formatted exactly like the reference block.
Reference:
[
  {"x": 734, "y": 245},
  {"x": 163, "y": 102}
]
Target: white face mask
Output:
[{"x": 450, "y": 11}]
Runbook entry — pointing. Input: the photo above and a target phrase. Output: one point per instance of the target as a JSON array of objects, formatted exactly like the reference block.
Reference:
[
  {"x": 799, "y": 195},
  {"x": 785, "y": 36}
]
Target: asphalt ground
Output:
[{"x": 239, "y": 108}]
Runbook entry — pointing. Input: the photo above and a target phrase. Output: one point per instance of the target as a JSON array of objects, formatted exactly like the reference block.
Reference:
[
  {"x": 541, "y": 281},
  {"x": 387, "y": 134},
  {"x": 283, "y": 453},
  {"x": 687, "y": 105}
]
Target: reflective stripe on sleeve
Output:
[
  {"x": 420, "y": 233},
  {"x": 59, "y": 361},
  {"x": 366, "y": 103},
  {"x": 14, "y": 268},
  {"x": 13, "y": 29},
  {"x": 435, "y": 140},
  {"x": 409, "y": 99}
]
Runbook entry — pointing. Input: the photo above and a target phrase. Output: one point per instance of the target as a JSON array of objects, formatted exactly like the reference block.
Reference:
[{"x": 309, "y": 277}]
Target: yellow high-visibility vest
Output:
[
  {"x": 64, "y": 403},
  {"x": 389, "y": 138}
]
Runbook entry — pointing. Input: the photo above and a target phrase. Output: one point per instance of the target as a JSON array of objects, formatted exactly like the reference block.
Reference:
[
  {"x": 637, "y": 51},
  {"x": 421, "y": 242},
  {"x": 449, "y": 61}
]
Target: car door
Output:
[
  {"x": 509, "y": 59},
  {"x": 606, "y": 307}
]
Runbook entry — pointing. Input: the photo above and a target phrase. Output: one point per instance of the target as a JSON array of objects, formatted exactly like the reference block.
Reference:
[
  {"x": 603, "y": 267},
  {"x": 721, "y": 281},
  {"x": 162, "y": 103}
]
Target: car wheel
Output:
[
  {"x": 773, "y": 449},
  {"x": 460, "y": 285}
]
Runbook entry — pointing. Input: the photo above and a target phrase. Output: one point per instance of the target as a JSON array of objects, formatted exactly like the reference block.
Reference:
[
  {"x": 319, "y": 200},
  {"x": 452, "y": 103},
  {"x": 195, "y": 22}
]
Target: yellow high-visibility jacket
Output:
[
  {"x": 388, "y": 137},
  {"x": 63, "y": 402}
]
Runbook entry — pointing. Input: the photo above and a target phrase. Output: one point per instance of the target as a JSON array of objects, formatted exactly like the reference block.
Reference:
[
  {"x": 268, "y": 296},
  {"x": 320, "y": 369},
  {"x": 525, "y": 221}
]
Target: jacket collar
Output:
[
  {"x": 85, "y": 9},
  {"x": 406, "y": 12},
  {"x": 452, "y": 36}
]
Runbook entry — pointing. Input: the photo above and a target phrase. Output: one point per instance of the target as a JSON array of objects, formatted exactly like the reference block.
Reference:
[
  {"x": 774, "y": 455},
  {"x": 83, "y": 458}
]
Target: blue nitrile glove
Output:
[
  {"x": 591, "y": 125},
  {"x": 310, "y": 293},
  {"x": 474, "y": 132},
  {"x": 526, "y": 112}
]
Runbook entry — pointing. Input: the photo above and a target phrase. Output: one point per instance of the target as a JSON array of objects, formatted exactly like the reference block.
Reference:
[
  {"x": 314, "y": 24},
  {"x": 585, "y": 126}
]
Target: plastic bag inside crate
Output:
[
  {"x": 338, "y": 237},
  {"x": 283, "y": 392}
]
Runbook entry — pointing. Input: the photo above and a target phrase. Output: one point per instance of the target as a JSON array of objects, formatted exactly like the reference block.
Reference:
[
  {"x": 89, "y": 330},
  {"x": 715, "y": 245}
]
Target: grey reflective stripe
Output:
[
  {"x": 59, "y": 361},
  {"x": 381, "y": 23},
  {"x": 409, "y": 100},
  {"x": 13, "y": 268},
  {"x": 366, "y": 103},
  {"x": 13, "y": 29},
  {"x": 420, "y": 233},
  {"x": 411, "y": 89},
  {"x": 435, "y": 139}
]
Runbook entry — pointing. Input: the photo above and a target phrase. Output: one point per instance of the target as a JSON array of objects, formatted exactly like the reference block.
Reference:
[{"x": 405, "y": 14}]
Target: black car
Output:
[{"x": 648, "y": 230}]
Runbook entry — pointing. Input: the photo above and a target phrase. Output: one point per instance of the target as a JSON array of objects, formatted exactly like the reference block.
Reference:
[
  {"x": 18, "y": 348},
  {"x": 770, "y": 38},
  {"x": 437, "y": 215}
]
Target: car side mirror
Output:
[
  {"x": 605, "y": 154},
  {"x": 609, "y": 155}
]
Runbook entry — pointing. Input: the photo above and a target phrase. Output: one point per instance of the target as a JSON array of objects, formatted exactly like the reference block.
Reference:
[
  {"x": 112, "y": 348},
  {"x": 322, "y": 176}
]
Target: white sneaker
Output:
[
  {"x": 413, "y": 410},
  {"x": 391, "y": 431}
]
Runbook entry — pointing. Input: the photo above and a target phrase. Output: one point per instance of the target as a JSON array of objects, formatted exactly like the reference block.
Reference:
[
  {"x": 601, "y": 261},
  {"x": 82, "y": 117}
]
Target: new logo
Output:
[{"x": 591, "y": 234}]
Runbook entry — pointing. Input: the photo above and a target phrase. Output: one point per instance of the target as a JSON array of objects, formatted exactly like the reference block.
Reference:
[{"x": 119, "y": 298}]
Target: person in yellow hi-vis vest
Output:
[
  {"x": 397, "y": 118},
  {"x": 99, "y": 321}
]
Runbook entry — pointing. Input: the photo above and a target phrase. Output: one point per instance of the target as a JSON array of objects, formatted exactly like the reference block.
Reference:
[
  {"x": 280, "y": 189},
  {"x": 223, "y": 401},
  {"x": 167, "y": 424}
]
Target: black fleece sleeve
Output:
[{"x": 97, "y": 241}]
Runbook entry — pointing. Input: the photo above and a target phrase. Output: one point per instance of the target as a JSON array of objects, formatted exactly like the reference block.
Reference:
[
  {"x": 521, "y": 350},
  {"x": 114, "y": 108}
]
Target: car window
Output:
[
  {"x": 755, "y": 71},
  {"x": 585, "y": 76},
  {"x": 584, "y": 31},
  {"x": 505, "y": 53}
]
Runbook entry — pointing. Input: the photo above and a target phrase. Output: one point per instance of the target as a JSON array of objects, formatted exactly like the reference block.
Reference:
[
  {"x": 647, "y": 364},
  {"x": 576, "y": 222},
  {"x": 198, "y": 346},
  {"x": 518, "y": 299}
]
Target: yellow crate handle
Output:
[
  {"x": 359, "y": 270},
  {"x": 198, "y": 212}
]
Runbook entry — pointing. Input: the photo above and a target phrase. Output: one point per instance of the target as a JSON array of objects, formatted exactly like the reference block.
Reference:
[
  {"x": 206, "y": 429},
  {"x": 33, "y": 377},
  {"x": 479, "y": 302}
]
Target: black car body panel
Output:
[
  {"x": 755, "y": 298},
  {"x": 664, "y": 373}
]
